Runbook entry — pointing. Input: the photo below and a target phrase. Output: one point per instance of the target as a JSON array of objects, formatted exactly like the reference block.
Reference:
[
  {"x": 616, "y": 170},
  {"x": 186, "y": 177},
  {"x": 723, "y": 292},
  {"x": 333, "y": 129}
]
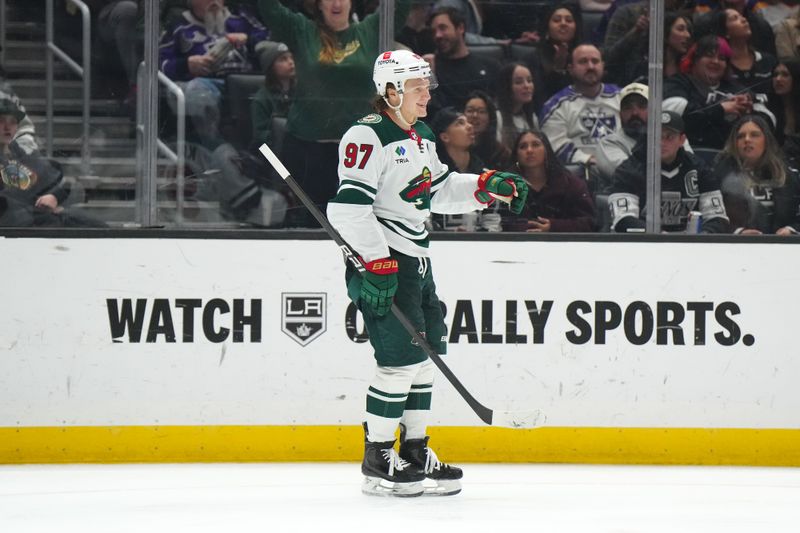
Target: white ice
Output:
[{"x": 313, "y": 497}]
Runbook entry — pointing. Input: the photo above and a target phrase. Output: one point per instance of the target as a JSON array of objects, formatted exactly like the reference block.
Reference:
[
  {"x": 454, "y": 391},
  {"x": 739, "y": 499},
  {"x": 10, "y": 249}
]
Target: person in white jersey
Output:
[{"x": 390, "y": 180}]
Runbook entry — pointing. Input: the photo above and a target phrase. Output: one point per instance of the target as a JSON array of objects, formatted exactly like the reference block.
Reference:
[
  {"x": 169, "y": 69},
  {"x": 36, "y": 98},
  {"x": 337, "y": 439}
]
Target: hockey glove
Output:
[
  {"x": 378, "y": 284},
  {"x": 503, "y": 186}
]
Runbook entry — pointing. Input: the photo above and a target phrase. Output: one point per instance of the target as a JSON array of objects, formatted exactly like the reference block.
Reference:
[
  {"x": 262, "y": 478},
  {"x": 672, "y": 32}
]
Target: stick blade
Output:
[
  {"x": 274, "y": 161},
  {"x": 518, "y": 419}
]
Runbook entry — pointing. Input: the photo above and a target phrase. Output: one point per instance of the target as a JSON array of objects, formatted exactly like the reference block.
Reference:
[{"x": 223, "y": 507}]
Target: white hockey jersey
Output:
[
  {"x": 390, "y": 180},
  {"x": 574, "y": 124}
]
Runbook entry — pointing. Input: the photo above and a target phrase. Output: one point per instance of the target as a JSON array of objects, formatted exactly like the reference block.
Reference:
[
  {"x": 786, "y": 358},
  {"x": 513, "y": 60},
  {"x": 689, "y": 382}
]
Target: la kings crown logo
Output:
[
  {"x": 303, "y": 315},
  {"x": 597, "y": 122}
]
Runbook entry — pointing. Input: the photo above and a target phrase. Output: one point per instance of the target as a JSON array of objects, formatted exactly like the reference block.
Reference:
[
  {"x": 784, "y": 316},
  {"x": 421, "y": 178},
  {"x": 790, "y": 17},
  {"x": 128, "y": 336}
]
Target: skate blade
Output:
[
  {"x": 375, "y": 486},
  {"x": 441, "y": 487}
]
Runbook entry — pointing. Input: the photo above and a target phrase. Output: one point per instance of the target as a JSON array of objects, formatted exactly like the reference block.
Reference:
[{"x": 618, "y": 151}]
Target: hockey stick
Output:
[{"x": 511, "y": 419}]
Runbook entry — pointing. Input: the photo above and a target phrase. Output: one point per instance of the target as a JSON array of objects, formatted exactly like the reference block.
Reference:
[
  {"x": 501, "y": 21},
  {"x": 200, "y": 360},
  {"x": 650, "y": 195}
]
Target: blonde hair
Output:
[{"x": 330, "y": 44}]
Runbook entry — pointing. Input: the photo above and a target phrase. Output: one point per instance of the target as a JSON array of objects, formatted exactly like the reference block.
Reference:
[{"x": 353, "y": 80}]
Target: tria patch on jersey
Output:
[
  {"x": 418, "y": 191},
  {"x": 372, "y": 118},
  {"x": 401, "y": 151}
]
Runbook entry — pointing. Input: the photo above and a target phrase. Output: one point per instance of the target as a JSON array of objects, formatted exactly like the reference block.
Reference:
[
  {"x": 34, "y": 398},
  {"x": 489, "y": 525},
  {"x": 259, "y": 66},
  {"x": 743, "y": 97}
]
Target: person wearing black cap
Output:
[
  {"x": 26, "y": 134},
  {"x": 686, "y": 185},
  {"x": 31, "y": 188},
  {"x": 10, "y": 117},
  {"x": 455, "y": 139}
]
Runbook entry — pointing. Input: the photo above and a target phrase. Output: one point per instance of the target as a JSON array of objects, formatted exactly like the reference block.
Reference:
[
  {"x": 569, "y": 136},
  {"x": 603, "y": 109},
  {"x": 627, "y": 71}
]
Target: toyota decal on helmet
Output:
[{"x": 398, "y": 66}]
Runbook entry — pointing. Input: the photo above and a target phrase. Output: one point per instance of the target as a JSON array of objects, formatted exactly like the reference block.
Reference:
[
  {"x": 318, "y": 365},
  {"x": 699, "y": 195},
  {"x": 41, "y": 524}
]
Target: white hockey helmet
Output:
[{"x": 396, "y": 67}]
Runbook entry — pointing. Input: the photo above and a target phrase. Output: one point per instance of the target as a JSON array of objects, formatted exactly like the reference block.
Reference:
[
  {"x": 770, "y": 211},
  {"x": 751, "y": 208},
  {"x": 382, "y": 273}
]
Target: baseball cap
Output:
[
  {"x": 673, "y": 121},
  {"x": 634, "y": 88},
  {"x": 10, "y": 107}
]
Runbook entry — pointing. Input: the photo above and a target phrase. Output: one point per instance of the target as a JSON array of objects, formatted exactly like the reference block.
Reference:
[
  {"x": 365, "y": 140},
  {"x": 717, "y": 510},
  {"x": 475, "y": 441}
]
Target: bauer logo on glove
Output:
[
  {"x": 379, "y": 284},
  {"x": 504, "y": 186}
]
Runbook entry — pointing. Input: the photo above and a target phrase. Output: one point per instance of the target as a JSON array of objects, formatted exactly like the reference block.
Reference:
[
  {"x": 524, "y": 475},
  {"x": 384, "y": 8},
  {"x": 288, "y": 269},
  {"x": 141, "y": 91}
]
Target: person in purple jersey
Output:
[
  {"x": 206, "y": 43},
  {"x": 578, "y": 116}
]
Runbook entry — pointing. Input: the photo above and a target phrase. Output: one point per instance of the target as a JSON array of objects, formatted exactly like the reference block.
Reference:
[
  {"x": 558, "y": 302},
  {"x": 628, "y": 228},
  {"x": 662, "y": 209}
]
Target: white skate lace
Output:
[
  {"x": 394, "y": 460},
  {"x": 432, "y": 462}
]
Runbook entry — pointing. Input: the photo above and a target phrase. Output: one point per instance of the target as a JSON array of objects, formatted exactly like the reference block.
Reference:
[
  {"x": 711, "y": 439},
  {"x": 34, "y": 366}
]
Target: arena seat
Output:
[
  {"x": 496, "y": 52},
  {"x": 523, "y": 53},
  {"x": 590, "y": 20},
  {"x": 602, "y": 213},
  {"x": 240, "y": 89},
  {"x": 708, "y": 155},
  {"x": 576, "y": 169},
  {"x": 278, "y": 133}
]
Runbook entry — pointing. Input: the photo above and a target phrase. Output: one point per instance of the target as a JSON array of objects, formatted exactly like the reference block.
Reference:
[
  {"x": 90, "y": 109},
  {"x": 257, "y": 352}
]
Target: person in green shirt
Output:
[
  {"x": 334, "y": 58},
  {"x": 275, "y": 97}
]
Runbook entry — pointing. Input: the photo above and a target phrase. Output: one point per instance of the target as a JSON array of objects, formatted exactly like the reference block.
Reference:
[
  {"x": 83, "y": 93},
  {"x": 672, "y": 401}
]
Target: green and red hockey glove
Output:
[
  {"x": 379, "y": 284},
  {"x": 504, "y": 186}
]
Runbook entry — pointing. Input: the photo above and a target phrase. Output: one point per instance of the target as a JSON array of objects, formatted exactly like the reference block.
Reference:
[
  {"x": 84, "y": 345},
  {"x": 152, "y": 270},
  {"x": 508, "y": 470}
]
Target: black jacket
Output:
[
  {"x": 707, "y": 125},
  {"x": 459, "y": 77},
  {"x": 26, "y": 177},
  {"x": 754, "y": 204},
  {"x": 686, "y": 185}
]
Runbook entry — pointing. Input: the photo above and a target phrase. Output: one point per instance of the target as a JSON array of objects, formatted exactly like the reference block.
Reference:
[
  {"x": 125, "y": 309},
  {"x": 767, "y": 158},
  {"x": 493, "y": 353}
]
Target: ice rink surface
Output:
[{"x": 317, "y": 497}]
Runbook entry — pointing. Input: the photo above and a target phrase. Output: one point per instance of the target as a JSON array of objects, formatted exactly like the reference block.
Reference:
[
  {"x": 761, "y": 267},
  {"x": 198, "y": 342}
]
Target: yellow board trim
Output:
[{"x": 155, "y": 444}]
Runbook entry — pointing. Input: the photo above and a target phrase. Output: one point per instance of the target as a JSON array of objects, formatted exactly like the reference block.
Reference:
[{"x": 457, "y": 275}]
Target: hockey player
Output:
[
  {"x": 686, "y": 186},
  {"x": 390, "y": 180}
]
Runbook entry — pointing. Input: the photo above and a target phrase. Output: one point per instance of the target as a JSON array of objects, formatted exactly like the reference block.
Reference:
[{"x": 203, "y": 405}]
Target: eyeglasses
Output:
[{"x": 476, "y": 111}]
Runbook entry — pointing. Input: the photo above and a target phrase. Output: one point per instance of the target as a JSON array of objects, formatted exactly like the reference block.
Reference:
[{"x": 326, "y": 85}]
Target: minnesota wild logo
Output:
[
  {"x": 341, "y": 54},
  {"x": 15, "y": 174},
  {"x": 372, "y": 118},
  {"x": 418, "y": 191}
]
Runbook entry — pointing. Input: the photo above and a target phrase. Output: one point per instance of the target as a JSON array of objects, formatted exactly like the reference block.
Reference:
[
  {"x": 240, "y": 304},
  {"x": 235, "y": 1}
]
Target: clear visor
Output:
[{"x": 420, "y": 84}]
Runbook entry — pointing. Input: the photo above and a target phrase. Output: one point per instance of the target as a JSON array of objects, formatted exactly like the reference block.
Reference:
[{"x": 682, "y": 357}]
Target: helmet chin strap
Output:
[{"x": 403, "y": 122}]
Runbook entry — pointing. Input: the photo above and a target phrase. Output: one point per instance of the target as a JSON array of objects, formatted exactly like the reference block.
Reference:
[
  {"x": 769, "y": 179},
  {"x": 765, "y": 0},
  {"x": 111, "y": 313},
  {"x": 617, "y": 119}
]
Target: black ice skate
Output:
[
  {"x": 442, "y": 479},
  {"x": 386, "y": 474}
]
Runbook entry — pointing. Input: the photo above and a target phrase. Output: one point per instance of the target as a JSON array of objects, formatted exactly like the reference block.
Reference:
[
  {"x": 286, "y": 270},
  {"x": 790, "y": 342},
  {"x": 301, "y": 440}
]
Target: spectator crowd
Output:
[{"x": 556, "y": 92}]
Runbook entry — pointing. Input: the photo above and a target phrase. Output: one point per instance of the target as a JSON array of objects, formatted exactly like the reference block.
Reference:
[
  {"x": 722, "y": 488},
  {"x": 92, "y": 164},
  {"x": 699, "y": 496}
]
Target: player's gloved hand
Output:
[
  {"x": 379, "y": 283},
  {"x": 503, "y": 186}
]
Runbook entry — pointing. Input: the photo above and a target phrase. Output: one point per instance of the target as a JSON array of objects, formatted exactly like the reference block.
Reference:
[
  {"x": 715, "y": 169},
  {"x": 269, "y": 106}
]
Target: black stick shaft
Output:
[{"x": 483, "y": 412}]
